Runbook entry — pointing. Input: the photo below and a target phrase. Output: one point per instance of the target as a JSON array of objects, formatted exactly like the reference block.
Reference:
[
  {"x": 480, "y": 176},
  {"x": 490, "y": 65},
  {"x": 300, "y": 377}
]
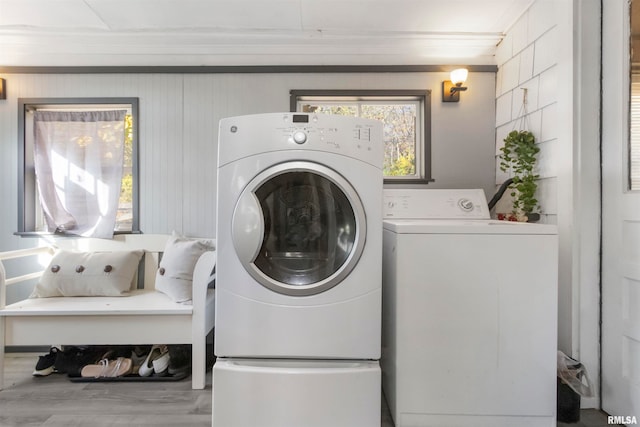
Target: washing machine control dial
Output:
[
  {"x": 466, "y": 205},
  {"x": 299, "y": 137}
]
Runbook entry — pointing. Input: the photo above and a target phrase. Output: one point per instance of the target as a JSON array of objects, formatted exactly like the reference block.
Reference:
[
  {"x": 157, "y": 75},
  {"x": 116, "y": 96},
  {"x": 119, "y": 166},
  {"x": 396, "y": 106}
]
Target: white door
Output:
[{"x": 621, "y": 225}]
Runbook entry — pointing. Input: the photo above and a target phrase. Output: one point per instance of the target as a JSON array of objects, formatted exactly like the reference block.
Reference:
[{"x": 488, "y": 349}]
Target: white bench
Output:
[{"x": 146, "y": 316}]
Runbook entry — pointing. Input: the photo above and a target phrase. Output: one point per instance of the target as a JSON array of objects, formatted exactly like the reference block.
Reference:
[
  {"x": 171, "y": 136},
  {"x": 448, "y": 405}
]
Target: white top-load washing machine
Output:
[
  {"x": 298, "y": 288},
  {"x": 469, "y": 313}
]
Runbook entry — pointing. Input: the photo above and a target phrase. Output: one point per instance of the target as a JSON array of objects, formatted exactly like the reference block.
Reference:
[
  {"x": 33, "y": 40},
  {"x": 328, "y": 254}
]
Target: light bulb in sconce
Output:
[
  {"x": 451, "y": 88},
  {"x": 459, "y": 76}
]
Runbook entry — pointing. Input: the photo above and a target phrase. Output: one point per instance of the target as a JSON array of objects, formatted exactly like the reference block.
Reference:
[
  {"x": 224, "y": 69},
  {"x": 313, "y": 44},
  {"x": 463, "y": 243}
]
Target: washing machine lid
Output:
[
  {"x": 447, "y": 211},
  {"x": 451, "y": 226}
]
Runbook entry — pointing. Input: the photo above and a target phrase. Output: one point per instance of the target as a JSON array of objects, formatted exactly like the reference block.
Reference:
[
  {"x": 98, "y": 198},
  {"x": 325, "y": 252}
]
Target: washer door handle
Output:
[{"x": 247, "y": 227}]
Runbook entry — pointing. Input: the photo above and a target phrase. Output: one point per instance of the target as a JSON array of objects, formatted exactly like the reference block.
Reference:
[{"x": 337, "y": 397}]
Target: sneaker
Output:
[
  {"x": 180, "y": 359},
  {"x": 46, "y": 363}
]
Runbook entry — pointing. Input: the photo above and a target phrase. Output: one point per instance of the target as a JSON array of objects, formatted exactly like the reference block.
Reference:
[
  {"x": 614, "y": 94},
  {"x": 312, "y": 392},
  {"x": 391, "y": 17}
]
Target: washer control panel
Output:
[
  {"x": 435, "y": 204},
  {"x": 355, "y": 137},
  {"x": 325, "y": 133}
]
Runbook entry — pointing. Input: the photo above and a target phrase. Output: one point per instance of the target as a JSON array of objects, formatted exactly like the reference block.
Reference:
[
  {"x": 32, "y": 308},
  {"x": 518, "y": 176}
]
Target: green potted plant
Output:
[{"x": 518, "y": 156}]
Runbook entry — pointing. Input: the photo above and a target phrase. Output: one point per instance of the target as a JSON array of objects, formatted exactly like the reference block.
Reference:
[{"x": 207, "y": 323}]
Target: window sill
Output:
[
  {"x": 405, "y": 181},
  {"x": 41, "y": 234}
]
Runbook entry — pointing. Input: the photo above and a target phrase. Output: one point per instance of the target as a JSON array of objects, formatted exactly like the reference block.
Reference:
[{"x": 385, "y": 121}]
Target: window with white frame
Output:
[
  {"x": 406, "y": 118},
  {"x": 78, "y": 160}
]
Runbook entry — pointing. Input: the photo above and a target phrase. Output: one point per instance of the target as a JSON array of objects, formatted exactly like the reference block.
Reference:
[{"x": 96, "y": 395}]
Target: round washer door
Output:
[{"x": 299, "y": 228}]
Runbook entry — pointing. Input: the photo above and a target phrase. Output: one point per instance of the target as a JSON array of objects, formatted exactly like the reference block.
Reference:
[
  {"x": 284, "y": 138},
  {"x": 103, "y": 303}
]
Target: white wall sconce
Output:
[
  {"x": 3, "y": 89},
  {"x": 451, "y": 88}
]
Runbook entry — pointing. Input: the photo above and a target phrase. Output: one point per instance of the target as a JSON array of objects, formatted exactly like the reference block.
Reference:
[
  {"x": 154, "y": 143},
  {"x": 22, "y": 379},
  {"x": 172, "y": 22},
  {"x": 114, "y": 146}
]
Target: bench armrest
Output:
[
  {"x": 202, "y": 276},
  {"x": 20, "y": 253}
]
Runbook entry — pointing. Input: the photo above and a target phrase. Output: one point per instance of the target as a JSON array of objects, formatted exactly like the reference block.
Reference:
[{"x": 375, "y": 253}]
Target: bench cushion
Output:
[{"x": 88, "y": 274}]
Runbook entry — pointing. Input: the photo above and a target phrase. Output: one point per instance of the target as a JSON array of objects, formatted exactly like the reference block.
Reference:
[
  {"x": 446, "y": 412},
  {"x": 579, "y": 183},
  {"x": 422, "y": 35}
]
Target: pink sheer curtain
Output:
[{"x": 78, "y": 164}]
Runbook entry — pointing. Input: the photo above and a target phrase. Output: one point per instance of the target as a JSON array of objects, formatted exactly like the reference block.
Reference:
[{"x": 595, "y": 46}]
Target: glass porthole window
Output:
[
  {"x": 310, "y": 228},
  {"x": 311, "y": 233}
]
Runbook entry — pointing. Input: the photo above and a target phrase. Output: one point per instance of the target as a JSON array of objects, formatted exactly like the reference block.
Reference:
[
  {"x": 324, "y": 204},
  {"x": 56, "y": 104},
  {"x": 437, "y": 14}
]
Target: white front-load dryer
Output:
[{"x": 298, "y": 288}]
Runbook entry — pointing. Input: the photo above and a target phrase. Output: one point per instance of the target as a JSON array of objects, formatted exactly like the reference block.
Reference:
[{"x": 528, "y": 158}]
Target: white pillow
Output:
[
  {"x": 175, "y": 274},
  {"x": 71, "y": 274}
]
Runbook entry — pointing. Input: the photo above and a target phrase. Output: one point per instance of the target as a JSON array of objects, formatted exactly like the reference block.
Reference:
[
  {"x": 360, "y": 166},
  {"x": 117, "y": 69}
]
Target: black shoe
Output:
[
  {"x": 179, "y": 359},
  {"x": 73, "y": 359},
  {"x": 46, "y": 363}
]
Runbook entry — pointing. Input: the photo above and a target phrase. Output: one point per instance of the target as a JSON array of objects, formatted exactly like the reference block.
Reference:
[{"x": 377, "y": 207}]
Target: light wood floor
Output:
[{"x": 54, "y": 401}]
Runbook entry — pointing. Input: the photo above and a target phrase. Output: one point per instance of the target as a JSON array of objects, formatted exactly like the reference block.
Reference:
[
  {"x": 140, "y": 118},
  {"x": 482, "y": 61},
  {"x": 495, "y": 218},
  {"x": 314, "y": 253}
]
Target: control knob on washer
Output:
[
  {"x": 466, "y": 205},
  {"x": 299, "y": 137}
]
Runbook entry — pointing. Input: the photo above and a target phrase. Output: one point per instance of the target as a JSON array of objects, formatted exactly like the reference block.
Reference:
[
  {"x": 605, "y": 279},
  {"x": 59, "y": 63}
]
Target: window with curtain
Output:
[{"x": 79, "y": 166}]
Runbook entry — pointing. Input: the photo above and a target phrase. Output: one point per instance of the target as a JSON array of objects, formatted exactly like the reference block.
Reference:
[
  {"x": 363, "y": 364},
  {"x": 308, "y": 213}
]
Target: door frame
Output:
[{"x": 579, "y": 184}]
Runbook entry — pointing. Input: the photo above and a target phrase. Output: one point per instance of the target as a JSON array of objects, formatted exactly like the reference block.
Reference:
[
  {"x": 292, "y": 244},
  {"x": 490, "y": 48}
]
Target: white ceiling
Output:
[{"x": 253, "y": 32}]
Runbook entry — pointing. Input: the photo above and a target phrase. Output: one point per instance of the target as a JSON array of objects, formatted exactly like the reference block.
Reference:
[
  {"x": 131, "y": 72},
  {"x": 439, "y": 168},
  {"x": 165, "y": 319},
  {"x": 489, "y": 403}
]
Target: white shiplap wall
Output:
[
  {"x": 527, "y": 59},
  {"x": 178, "y": 128}
]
